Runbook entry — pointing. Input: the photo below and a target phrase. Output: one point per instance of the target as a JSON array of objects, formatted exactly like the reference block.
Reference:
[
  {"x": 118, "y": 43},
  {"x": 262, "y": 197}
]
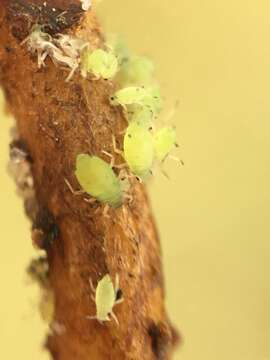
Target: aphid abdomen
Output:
[
  {"x": 105, "y": 298},
  {"x": 139, "y": 149},
  {"x": 164, "y": 141},
  {"x": 98, "y": 179}
]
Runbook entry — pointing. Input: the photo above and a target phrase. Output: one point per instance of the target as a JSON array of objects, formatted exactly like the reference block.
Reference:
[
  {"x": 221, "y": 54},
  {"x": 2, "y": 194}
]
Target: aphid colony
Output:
[{"x": 143, "y": 147}]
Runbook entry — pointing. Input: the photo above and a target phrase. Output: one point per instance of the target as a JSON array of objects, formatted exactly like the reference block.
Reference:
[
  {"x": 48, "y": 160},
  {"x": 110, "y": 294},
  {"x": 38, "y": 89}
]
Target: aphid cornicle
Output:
[
  {"x": 164, "y": 141},
  {"x": 98, "y": 179},
  {"x": 100, "y": 63},
  {"x": 139, "y": 149},
  {"x": 106, "y": 298}
]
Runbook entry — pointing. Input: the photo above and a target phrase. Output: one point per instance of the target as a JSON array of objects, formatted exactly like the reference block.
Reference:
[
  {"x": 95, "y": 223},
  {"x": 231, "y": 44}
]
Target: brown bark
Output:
[{"x": 57, "y": 120}]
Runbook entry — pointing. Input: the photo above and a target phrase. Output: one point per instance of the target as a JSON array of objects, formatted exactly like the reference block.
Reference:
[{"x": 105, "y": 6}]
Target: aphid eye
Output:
[{"x": 129, "y": 135}]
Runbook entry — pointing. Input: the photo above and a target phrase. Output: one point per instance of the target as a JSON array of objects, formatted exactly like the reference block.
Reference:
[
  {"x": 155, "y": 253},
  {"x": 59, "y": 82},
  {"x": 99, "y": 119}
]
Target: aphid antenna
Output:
[
  {"x": 175, "y": 158},
  {"x": 114, "y": 318},
  {"x": 110, "y": 156},
  {"x": 115, "y": 149}
]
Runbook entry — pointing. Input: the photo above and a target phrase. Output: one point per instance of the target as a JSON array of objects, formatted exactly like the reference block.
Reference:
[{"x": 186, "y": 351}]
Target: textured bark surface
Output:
[{"x": 57, "y": 120}]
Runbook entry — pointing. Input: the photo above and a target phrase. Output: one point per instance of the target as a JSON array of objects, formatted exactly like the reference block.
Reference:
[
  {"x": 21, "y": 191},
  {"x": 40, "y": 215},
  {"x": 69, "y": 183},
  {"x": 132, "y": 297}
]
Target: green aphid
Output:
[
  {"x": 98, "y": 179},
  {"x": 153, "y": 100},
  {"x": 106, "y": 299},
  {"x": 136, "y": 70},
  {"x": 100, "y": 63},
  {"x": 164, "y": 142},
  {"x": 131, "y": 95},
  {"x": 119, "y": 47},
  {"x": 139, "y": 150},
  {"x": 143, "y": 116},
  {"x": 140, "y": 97}
]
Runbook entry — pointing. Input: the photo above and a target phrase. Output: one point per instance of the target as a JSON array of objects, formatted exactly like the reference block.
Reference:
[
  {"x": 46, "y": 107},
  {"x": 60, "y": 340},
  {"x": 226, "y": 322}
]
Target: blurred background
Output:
[{"x": 213, "y": 214}]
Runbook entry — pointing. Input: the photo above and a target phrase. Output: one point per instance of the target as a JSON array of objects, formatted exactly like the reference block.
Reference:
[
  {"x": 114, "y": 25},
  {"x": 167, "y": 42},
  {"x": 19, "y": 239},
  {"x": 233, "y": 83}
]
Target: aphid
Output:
[
  {"x": 139, "y": 150},
  {"x": 102, "y": 64},
  {"x": 141, "y": 116},
  {"x": 153, "y": 100},
  {"x": 136, "y": 70},
  {"x": 129, "y": 96},
  {"x": 117, "y": 44},
  {"x": 98, "y": 179},
  {"x": 106, "y": 298},
  {"x": 138, "y": 96},
  {"x": 164, "y": 141}
]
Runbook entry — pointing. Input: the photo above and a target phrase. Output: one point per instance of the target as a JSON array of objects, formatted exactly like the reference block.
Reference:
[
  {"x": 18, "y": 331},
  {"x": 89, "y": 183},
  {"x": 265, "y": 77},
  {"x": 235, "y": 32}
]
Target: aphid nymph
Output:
[
  {"x": 164, "y": 142},
  {"x": 98, "y": 179},
  {"x": 139, "y": 149},
  {"x": 106, "y": 298},
  {"x": 100, "y": 63}
]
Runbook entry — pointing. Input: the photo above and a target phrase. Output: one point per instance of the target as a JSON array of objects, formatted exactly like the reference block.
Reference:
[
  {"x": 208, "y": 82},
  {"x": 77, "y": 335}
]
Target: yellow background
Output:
[{"x": 213, "y": 215}]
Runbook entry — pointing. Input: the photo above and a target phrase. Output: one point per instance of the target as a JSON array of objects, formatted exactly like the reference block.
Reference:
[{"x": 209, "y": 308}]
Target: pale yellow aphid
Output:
[
  {"x": 102, "y": 64},
  {"x": 139, "y": 149},
  {"x": 132, "y": 95},
  {"x": 98, "y": 179},
  {"x": 136, "y": 70},
  {"x": 140, "y": 97},
  {"x": 164, "y": 142},
  {"x": 106, "y": 299},
  {"x": 119, "y": 47}
]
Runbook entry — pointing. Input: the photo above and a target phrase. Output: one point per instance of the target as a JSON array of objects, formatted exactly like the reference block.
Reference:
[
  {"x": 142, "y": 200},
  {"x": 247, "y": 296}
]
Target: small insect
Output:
[
  {"x": 98, "y": 179},
  {"x": 153, "y": 100},
  {"x": 139, "y": 96},
  {"x": 106, "y": 298},
  {"x": 164, "y": 142},
  {"x": 136, "y": 70},
  {"x": 119, "y": 47},
  {"x": 141, "y": 116},
  {"x": 128, "y": 96},
  {"x": 102, "y": 64},
  {"x": 139, "y": 150}
]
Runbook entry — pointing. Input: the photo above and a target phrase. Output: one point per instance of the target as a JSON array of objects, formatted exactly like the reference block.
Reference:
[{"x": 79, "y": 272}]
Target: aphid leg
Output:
[
  {"x": 163, "y": 172},
  {"x": 106, "y": 210},
  {"x": 114, "y": 317},
  {"x": 90, "y": 201},
  {"x": 74, "y": 192},
  {"x": 111, "y": 157},
  {"x": 175, "y": 158},
  {"x": 129, "y": 198},
  {"x": 71, "y": 72},
  {"x": 116, "y": 150},
  {"x": 91, "y": 285},
  {"x": 116, "y": 285},
  {"x": 92, "y": 288}
]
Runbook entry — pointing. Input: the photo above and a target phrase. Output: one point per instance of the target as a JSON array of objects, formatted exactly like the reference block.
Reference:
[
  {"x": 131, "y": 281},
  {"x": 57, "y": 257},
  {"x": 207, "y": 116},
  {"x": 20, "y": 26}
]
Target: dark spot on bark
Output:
[
  {"x": 38, "y": 270},
  {"x": 161, "y": 339},
  {"x": 119, "y": 294},
  {"x": 54, "y": 20},
  {"x": 44, "y": 230}
]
